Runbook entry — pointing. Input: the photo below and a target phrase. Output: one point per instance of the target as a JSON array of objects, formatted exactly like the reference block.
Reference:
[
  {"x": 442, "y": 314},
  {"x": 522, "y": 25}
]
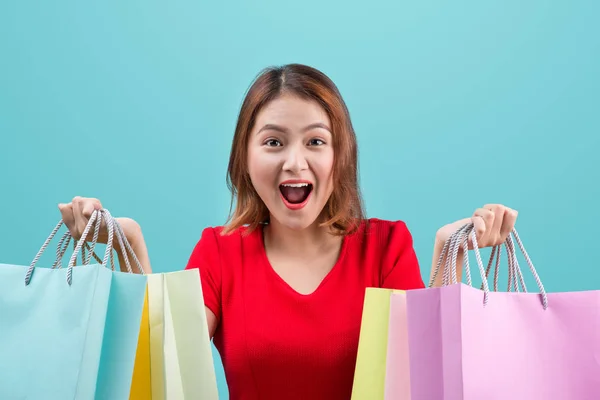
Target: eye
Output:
[
  {"x": 316, "y": 142},
  {"x": 272, "y": 143}
]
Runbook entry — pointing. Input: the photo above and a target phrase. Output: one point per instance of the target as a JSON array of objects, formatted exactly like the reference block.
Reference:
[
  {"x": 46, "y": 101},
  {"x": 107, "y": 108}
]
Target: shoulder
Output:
[
  {"x": 378, "y": 224},
  {"x": 374, "y": 231},
  {"x": 214, "y": 242},
  {"x": 216, "y": 254},
  {"x": 213, "y": 255},
  {"x": 385, "y": 248},
  {"x": 379, "y": 241}
]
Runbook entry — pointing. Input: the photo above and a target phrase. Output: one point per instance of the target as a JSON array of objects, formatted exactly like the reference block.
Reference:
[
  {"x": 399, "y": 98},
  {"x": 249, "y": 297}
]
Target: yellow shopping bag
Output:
[
  {"x": 369, "y": 375},
  {"x": 141, "y": 384}
]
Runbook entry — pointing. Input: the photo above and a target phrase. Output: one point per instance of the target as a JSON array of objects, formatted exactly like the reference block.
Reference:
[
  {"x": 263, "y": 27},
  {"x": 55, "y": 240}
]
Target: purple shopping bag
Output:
[
  {"x": 397, "y": 374},
  {"x": 468, "y": 343}
]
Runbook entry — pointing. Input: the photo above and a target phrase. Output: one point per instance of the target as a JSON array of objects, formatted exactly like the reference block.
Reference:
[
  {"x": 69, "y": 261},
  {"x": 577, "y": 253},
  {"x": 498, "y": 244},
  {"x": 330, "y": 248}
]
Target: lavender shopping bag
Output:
[
  {"x": 397, "y": 372},
  {"x": 468, "y": 343}
]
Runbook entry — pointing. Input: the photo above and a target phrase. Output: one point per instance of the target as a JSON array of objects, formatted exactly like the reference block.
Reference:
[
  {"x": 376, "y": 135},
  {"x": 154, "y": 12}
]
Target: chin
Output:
[
  {"x": 296, "y": 221},
  {"x": 296, "y": 217}
]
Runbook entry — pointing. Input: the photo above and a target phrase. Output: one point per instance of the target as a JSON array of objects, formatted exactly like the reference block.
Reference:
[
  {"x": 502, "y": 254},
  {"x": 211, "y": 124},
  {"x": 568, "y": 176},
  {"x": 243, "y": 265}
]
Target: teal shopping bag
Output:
[
  {"x": 121, "y": 332},
  {"x": 53, "y": 336}
]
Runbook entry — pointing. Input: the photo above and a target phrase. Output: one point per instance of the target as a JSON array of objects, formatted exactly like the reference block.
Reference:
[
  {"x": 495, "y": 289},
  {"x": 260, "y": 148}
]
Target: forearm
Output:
[
  {"x": 437, "y": 251},
  {"x": 137, "y": 244}
]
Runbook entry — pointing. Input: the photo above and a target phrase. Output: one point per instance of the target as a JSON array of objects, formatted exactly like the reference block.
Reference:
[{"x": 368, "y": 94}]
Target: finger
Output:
[
  {"x": 510, "y": 218},
  {"x": 479, "y": 226},
  {"x": 66, "y": 212},
  {"x": 499, "y": 211},
  {"x": 483, "y": 221},
  {"x": 89, "y": 207},
  {"x": 80, "y": 220}
]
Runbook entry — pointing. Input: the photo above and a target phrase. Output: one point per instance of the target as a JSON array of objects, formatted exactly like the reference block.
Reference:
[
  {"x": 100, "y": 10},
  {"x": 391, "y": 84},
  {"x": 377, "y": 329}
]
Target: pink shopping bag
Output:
[
  {"x": 397, "y": 382},
  {"x": 468, "y": 343},
  {"x": 397, "y": 376}
]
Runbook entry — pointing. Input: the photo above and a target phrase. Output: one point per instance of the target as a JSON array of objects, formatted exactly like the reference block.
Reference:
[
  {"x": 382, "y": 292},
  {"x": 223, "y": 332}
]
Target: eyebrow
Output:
[{"x": 285, "y": 130}]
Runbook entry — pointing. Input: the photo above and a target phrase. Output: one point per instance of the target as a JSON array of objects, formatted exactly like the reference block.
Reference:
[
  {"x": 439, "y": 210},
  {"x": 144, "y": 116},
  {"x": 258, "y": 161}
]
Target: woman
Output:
[{"x": 284, "y": 279}]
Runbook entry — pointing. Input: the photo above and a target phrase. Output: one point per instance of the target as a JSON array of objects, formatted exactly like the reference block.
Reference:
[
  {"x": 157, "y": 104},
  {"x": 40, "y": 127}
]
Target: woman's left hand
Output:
[{"x": 493, "y": 223}]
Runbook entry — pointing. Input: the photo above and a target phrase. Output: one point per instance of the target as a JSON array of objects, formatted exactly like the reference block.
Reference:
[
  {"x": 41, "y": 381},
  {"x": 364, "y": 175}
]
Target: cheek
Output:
[
  {"x": 324, "y": 169},
  {"x": 254, "y": 168},
  {"x": 251, "y": 164},
  {"x": 328, "y": 161},
  {"x": 261, "y": 168}
]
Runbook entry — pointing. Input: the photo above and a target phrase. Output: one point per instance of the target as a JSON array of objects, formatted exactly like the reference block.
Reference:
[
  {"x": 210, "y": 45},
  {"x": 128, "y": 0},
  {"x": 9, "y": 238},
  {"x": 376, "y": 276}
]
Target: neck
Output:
[{"x": 303, "y": 242}]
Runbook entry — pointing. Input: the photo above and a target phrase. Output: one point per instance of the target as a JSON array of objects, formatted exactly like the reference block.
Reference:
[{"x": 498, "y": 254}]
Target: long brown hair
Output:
[{"x": 344, "y": 209}]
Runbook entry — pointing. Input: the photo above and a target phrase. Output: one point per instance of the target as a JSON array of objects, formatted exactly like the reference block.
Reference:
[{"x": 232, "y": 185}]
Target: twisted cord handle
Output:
[
  {"x": 460, "y": 239},
  {"x": 95, "y": 221}
]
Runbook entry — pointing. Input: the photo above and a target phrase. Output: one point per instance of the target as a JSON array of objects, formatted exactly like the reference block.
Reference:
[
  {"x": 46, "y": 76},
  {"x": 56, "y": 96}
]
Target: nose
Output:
[{"x": 295, "y": 159}]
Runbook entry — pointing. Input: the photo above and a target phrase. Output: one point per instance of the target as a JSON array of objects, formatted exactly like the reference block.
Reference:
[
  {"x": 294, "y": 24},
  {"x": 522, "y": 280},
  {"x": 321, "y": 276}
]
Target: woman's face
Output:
[{"x": 290, "y": 160}]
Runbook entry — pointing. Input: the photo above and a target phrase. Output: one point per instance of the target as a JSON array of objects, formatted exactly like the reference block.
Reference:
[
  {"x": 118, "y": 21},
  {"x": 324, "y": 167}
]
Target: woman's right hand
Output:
[{"x": 77, "y": 213}]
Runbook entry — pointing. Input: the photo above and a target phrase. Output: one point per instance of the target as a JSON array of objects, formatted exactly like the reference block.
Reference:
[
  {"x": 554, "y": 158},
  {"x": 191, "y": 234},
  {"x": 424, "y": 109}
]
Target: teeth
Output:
[{"x": 295, "y": 184}]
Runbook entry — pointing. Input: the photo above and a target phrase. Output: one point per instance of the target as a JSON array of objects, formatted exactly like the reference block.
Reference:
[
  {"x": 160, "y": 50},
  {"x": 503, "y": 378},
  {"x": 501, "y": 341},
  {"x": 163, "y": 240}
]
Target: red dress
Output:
[{"x": 276, "y": 343}]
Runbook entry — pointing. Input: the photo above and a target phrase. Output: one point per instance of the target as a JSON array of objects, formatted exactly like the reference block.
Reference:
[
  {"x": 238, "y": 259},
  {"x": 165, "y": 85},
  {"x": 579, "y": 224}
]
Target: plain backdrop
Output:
[{"x": 455, "y": 104}]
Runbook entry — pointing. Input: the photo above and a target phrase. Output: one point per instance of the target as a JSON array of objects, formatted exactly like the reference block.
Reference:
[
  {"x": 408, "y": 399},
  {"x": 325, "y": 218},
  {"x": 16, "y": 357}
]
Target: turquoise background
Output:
[{"x": 456, "y": 104}]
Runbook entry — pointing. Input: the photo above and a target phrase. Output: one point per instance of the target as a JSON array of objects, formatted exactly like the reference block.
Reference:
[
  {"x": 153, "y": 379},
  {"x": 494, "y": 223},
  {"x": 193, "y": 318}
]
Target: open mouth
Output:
[{"x": 295, "y": 193}]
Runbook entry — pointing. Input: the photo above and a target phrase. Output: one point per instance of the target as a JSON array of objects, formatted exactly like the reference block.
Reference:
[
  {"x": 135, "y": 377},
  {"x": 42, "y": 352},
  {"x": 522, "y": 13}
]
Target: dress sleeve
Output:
[
  {"x": 205, "y": 257},
  {"x": 402, "y": 270}
]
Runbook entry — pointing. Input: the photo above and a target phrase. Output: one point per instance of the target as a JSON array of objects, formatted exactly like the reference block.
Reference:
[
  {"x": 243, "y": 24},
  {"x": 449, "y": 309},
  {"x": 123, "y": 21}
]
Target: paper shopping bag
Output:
[
  {"x": 141, "y": 387},
  {"x": 173, "y": 382},
  {"x": 51, "y": 332},
  {"x": 181, "y": 356},
  {"x": 193, "y": 354},
  {"x": 122, "y": 326},
  {"x": 53, "y": 338},
  {"x": 121, "y": 333},
  {"x": 479, "y": 344},
  {"x": 156, "y": 318},
  {"x": 397, "y": 373},
  {"x": 369, "y": 374}
]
